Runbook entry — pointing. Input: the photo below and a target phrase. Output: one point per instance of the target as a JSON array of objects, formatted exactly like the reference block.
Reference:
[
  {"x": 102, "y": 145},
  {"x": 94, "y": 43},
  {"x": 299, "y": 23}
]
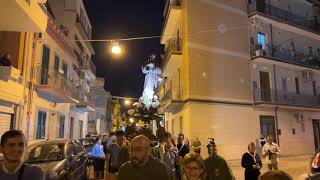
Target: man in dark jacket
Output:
[
  {"x": 142, "y": 166},
  {"x": 183, "y": 148},
  {"x": 217, "y": 166}
]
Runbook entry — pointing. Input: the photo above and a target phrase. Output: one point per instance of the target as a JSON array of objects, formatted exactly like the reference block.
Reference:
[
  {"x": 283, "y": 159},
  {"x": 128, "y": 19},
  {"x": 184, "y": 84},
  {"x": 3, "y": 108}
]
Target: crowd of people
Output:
[
  {"x": 137, "y": 156},
  {"x": 131, "y": 158}
]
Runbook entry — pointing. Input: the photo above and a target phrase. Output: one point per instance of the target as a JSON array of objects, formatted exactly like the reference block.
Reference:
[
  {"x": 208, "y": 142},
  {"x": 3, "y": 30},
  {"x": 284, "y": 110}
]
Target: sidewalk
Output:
[{"x": 296, "y": 166}]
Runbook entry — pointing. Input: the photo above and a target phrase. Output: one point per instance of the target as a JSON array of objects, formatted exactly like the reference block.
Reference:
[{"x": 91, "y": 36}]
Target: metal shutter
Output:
[{"x": 4, "y": 123}]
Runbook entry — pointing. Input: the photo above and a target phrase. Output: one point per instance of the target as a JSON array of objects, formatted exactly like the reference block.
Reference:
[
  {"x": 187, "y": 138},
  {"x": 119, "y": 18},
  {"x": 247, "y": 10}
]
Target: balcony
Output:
[
  {"x": 285, "y": 98},
  {"x": 85, "y": 31},
  {"x": 172, "y": 101},
  {"x": 85, "y": 104},
  {"x": 172, "y": 57},
  {"x": 11, "y": 87},
  {"x": 172, "y": 15},
  {"x": 285, "y": 57},
  {"x": 89, "y": 68},
  {"x": 23, "y": 16},
  {"x": 56, "y": 88},
  {"x": 266, "y": 10}
]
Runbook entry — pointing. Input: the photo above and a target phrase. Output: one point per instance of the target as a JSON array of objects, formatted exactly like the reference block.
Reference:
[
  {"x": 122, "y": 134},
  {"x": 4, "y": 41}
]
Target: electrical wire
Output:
[{"x": 222, "y": 28}]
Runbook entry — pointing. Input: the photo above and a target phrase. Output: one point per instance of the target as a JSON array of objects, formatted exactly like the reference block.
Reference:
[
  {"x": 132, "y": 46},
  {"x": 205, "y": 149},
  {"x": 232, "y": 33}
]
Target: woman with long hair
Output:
[{"x": 193, "y": 167}]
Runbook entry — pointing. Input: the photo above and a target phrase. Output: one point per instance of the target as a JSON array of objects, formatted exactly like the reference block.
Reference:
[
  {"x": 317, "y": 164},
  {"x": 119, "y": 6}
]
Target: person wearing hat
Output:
[{"x": 216, "y": 165}]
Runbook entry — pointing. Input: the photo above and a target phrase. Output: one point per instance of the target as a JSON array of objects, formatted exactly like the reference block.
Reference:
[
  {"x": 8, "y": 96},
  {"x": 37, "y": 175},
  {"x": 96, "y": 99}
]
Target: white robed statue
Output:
[{"x": 152, "y": 75}]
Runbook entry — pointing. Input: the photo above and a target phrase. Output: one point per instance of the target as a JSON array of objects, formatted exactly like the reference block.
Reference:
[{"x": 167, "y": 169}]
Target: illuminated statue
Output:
[{"x": 152, "y": 75}]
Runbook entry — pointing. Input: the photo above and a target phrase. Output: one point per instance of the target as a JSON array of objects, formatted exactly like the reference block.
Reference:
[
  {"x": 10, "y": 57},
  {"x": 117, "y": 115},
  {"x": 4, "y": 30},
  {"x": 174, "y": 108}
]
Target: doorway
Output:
[
  {"x": 316, "y": 133},
  {"x": 267, "y": 127},
  {"x": 265, "y": 86},
  {"x": 45, "y": 65},
  {"x": 71, "y": 127}
]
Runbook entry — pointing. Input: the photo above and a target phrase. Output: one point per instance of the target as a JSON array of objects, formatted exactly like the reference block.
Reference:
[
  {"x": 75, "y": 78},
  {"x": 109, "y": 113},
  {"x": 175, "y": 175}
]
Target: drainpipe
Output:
[
  {"x": 275, "y": 84},
  {"x": 271, "y": 40},
  {"x": 276, "y": 123},
  {"x": 30, "y": 85}
]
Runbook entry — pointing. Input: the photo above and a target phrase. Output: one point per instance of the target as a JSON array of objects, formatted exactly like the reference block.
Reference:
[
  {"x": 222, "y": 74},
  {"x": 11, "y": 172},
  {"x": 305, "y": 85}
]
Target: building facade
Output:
[
  {"x": 238, "y": 70},
  {"x": 44, "y": 90},
  {"x": 101, "y": 117},
  {"x": 17, "y": 40}
]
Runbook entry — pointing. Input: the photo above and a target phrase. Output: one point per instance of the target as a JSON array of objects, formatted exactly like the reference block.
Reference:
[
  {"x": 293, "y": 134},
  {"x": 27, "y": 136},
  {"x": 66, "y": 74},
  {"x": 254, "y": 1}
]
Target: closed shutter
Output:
[{"x": 5, "y": 120}]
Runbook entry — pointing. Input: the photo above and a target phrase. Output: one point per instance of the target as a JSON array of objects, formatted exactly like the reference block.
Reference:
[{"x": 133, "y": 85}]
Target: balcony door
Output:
[
  {"x": 316, "y": 133},
  {"x": 265, "y": 86},
  {"x": 45, "y": 65}
]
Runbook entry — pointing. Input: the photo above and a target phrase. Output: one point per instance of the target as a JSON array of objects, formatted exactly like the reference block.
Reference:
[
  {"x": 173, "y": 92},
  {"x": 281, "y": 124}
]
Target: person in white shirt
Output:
[{"x": 271, "y": 152}]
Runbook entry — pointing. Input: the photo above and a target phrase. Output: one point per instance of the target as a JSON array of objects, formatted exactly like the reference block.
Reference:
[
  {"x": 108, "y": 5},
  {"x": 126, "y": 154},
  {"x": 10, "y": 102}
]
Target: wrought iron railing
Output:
[
  {"x": 86, "y": 29},
  {"x": 171, "y": 94},
  {"x": 88, "y": 64},
  {"x": 279, "y": 97},
  {"x": 57, "y": 81},
  {"x": 287, "y": 55},
  {"x": 170, "y": 3},
  {"x": 308, "y": 23},
  {"x": 174, "y": 46}
]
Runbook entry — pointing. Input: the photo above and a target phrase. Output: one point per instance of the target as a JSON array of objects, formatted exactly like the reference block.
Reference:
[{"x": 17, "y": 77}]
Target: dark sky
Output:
[{"x": 113, "y": 19}]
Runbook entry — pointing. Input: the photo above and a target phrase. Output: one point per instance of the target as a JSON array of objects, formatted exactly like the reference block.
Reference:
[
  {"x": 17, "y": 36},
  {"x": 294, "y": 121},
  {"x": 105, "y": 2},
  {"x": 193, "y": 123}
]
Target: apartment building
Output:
[
  {"x": 19, "y": 21},
  {"x": 44, "y": 91},
  {"x": 236, "y": 70},
  {"x": 103, "y": 106},
  {"x": 73, "y": 20}
]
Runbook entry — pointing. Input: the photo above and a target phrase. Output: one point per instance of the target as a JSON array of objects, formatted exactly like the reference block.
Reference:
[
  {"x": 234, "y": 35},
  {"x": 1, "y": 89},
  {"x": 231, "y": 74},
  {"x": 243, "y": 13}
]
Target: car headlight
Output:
[{"x": 52, "y": 175}]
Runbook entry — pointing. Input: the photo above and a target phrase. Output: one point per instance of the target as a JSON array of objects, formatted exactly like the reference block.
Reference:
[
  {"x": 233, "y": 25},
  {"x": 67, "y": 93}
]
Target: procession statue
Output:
[{"x": 151, "y": 81}]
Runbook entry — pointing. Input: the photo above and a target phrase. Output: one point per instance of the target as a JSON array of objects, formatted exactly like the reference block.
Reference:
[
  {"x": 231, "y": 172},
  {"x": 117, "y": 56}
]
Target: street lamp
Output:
[
  {"x": 115, "y": 48},
  {"x": 131, "y": 120},
  {"x": 127, "y": 102}
]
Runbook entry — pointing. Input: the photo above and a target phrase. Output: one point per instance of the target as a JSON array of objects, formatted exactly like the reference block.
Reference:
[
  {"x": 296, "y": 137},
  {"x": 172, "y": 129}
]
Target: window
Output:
[
  {"x": 314, "y": 86},
  {"x": 284, "y": 88},
  {"x": 65, "y": 70},
  {"x": 297, "y": 85},
  {"x": 262, "y": 41},
  {"x": 41, "y": 125},
  {"x": 61, "y": 126},
  {"x": 56, "y": 63}
]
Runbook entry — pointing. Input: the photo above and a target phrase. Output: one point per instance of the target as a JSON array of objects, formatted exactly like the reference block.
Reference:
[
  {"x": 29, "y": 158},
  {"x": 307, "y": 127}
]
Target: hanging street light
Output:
[{"x": 116, "y": 49}]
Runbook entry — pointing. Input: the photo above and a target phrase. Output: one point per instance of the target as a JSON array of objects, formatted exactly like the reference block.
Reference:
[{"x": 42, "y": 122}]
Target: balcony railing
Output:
[
  {"x": 307, "y": 23},
  {"x": 88, "y": 64},
  {"x": 279, "y": 97},
  {"x": 168, "y": 4},
  {"x": 170, "y": 95},
  {"x": 86, "y": 29},
  {"x": 286, "y": 55},
  {"x": 56, "y": 82},
  {"x": 85, "y": 101},
  {"x": 174, "y": 47}
]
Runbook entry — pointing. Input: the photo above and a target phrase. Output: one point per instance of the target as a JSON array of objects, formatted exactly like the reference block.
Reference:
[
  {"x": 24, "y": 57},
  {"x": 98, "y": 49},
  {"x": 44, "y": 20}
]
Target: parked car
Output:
[
  {"x": 60, "y": 159},
  {"x": 314, "y": 173}
]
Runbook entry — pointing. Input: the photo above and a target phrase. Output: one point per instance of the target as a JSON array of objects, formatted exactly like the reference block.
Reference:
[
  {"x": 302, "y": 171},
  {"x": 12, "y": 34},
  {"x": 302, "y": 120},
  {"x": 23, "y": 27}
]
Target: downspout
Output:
[
  {"x": 276, "y": 124},
  {"x": 31, "y": 85},
  {"x": 23, "y": 74}
]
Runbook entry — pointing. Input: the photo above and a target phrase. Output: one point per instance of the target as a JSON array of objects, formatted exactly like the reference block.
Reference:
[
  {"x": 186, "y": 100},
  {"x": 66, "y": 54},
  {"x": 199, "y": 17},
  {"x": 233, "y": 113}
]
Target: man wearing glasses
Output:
[{"x": 142, "y": 166}]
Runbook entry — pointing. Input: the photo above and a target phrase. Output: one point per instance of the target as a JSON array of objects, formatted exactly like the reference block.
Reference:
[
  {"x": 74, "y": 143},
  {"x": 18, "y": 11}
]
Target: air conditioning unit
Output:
[{"x": 307, "y": 75}]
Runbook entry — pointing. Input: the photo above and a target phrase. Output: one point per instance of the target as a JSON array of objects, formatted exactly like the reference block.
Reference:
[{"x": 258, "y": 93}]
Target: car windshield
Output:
[{"x": 44, "y": 152}]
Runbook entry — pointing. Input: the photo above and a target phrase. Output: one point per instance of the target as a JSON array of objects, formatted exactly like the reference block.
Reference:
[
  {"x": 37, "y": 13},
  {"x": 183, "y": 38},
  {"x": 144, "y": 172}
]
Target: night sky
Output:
[{"x": 113, "y": 19}]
